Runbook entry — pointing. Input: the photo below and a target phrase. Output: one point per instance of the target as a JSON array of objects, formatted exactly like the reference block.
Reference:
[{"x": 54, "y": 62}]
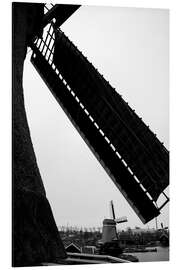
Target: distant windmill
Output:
[
  {"x": 163, "y": 228},
  {"x": 164, "y": 237},
  {"x": 109, "y": 232}
]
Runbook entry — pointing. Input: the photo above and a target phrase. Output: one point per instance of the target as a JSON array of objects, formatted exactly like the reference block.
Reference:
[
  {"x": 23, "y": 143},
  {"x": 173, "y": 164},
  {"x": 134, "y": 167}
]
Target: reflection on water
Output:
[{"x": 162, "y": 254}]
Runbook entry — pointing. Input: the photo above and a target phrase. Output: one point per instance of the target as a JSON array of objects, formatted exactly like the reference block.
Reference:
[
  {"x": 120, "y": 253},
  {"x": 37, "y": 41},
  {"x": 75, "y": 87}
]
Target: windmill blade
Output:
[
  {"x": 121, "y": 220},
  {"x": 112, "y": 213}
]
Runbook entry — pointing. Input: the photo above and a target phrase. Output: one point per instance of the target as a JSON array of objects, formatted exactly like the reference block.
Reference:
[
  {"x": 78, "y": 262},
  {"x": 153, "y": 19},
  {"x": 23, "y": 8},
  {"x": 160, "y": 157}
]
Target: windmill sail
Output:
[
  {"x": 130, "y": 153},
  {"x": 138, "y": 146},
  {"x": 121, "y": 220},
  {"x": 112, "y": 212}
]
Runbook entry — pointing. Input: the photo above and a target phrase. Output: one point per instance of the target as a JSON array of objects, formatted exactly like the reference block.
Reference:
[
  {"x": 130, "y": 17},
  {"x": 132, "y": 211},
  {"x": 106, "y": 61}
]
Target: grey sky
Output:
[{"x": 129, "y": 46}]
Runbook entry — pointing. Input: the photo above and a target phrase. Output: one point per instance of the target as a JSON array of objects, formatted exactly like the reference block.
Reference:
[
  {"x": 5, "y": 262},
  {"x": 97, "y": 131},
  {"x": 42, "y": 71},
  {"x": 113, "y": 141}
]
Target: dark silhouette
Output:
[{"x": 35, "y": 235}]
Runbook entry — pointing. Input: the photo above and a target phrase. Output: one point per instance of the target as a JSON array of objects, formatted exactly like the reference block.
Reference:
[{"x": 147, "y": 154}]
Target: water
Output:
[{"x": 162, "y": 254}]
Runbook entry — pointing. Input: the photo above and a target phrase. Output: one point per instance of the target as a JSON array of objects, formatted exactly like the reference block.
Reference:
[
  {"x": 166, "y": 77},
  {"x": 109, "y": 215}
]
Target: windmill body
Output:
[{"x": 109, "y": 232}]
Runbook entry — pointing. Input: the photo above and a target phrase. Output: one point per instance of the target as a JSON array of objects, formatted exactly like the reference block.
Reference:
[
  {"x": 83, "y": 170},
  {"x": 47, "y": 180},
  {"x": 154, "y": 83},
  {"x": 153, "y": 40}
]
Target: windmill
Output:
[
  {"x": 164, "y": 237},
  {"x": 112, "y": 130},
  {"x": 109, "y": 232}
]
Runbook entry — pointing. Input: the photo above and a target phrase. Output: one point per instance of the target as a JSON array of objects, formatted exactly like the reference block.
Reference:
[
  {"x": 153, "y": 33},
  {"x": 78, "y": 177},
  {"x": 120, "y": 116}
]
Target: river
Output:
[{"x": 162, "y": 254}]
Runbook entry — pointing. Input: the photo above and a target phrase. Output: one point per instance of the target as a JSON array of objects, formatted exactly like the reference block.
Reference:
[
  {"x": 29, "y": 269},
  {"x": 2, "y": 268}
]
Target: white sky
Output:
[{"x": 130, "y": 48}]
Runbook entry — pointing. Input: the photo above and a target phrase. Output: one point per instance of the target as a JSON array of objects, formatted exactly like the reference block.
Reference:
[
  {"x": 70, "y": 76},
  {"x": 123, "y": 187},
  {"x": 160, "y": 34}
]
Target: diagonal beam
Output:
[{"x": 60, "y": 12}]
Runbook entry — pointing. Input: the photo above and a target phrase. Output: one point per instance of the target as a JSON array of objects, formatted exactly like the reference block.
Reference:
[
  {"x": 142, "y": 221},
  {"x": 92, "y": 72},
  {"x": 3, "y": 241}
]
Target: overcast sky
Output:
[{"x": 129, "y": 46}]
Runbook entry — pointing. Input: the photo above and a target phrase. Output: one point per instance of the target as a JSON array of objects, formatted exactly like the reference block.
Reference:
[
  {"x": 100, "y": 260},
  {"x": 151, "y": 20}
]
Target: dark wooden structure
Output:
[{"x": 130, "y": 152}]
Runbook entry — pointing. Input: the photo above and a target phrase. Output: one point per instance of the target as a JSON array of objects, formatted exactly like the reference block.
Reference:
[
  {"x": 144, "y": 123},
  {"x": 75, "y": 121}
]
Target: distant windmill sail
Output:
[
  {"x": 121, "y": 220},
  {"x": 130, "y": 153},
  {"x": 112, "y": 214}
]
